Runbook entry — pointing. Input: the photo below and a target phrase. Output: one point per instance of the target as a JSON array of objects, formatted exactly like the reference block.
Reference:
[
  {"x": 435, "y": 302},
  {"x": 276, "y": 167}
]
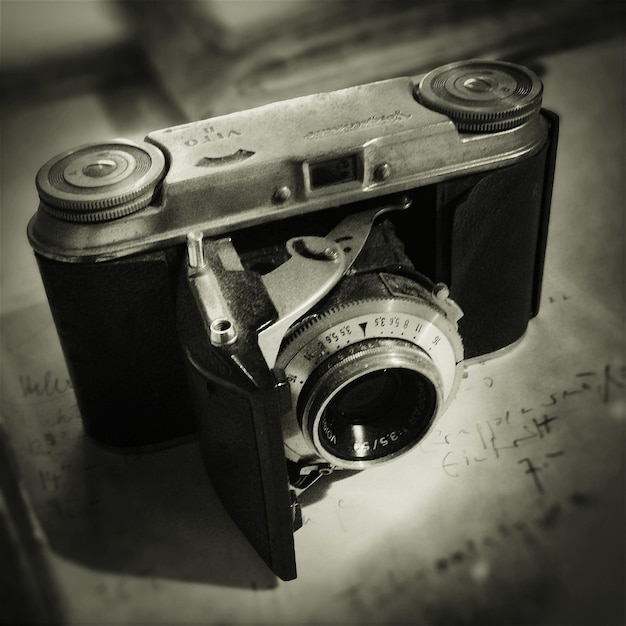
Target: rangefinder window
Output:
[{"x": 331, "y": 172}]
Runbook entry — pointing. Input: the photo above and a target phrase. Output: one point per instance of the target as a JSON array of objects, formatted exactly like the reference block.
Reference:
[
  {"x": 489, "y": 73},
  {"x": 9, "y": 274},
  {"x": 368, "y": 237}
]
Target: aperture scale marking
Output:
[{"x": 416, "y": 330}]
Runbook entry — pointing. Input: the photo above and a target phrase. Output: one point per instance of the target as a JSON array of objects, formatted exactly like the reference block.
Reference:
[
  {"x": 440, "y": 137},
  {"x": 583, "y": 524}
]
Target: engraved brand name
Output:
[
  {"x": 373, "y": 120},
  {"x": 211, "y": 134}
]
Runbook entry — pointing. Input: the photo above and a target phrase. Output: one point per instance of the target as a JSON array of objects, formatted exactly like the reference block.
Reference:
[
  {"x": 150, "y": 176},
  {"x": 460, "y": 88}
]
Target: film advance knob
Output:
[
  {"x": 481, "y": 95},
  {"x": 101, "y": 181}
]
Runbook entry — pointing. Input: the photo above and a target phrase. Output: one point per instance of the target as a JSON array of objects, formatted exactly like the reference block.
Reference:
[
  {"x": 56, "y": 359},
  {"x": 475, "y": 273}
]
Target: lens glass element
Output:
[{"x": 377, "y": 414}]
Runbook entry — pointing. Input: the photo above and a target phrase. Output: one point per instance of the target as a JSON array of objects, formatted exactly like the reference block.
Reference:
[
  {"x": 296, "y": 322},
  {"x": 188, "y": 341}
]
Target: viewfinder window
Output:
[{"x": 336, "y": 171}]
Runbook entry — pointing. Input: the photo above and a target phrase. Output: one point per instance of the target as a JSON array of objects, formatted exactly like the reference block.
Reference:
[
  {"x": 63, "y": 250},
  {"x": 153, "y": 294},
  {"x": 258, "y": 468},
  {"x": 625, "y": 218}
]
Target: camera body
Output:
[{"x": 301, "y": 283}]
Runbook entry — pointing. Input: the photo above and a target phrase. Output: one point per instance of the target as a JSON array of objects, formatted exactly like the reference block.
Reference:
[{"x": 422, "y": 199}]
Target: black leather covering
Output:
[
  {"x": 498, "y": 229},
  {"x": 116, "y": 322}
]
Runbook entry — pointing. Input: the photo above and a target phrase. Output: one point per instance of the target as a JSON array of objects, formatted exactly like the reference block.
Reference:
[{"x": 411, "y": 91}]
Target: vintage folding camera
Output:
[{"x": 302, "y": 283}]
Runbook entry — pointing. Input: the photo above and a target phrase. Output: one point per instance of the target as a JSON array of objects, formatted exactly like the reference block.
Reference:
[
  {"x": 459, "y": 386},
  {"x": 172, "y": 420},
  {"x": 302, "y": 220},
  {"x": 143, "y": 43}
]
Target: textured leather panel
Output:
[
  {"x": 495, "y": 227},
  {"x": 116, "y": 323}
]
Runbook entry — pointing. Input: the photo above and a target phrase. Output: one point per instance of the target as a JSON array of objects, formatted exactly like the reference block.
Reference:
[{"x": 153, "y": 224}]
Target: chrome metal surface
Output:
[
  {"x": 366, "y": 126},
  {"x": 211, "y": 303},
  {"x": 316, "y": 266},
  {"x": 195, "y": 250},
  {"x": 422, "y": 323}
]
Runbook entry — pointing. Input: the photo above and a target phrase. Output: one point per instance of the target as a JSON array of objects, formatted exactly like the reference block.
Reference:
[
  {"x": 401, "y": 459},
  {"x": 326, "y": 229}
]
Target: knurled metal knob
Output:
[
  {"x": 482, "y": 95},
  {"x": 101, "y": 181}
]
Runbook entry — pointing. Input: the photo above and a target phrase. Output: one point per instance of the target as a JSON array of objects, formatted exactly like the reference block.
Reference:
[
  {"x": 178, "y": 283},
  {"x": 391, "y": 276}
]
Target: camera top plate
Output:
[{"x": 286, "y": 159}]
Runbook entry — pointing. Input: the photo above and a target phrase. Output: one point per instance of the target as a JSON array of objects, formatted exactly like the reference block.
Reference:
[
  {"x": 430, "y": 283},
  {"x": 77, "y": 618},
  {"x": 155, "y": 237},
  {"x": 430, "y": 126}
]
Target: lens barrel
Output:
[
  {"x": 370, "y": 402},
  {"x": 369, "y": 377}
]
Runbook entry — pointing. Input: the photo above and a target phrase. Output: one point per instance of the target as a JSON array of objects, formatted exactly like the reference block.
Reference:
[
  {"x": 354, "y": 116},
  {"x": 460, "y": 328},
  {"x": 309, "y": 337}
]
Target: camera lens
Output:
[
  {"x": 378, "y": 414},
  {"x": 364, "y": 400},
  {"x": 368, "y": 377},
  {"x": 370, "y": 402}
]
